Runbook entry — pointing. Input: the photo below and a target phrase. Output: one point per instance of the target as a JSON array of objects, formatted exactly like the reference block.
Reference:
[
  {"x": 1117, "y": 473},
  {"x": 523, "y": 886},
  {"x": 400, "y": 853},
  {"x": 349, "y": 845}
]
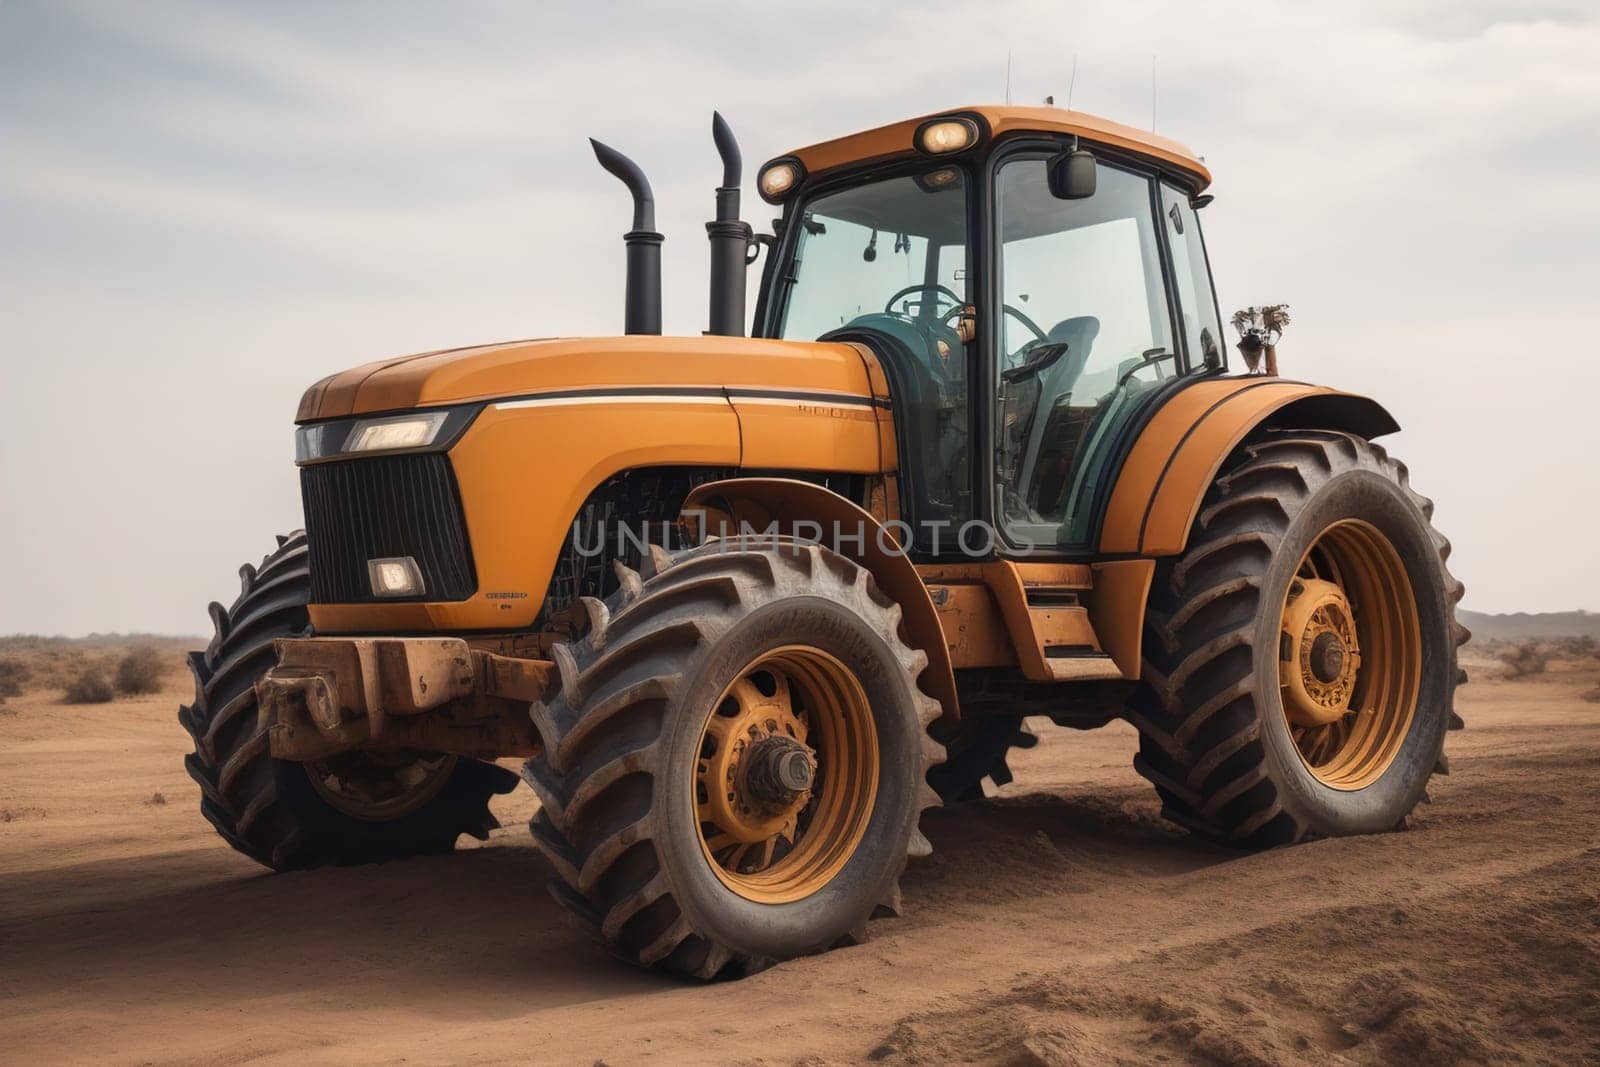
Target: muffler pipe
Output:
[
  {"x": 642, "y": 300},
  {"x": 729, "y": 236}
]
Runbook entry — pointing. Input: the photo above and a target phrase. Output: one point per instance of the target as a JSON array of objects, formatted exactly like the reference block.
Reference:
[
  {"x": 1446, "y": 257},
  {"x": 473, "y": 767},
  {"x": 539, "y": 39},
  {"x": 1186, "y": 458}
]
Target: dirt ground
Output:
[{"x": 1060, "y": 923}]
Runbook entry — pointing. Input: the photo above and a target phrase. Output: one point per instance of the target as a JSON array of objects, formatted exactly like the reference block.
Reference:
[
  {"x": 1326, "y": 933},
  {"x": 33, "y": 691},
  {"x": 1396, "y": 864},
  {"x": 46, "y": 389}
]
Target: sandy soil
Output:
[{"x": 1060, "y": 923}]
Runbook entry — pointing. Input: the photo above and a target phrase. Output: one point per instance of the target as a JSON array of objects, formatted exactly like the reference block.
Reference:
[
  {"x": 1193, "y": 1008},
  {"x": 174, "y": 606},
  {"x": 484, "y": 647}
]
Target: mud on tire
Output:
[
  {"x": 267, "y": 808},
  {"x": 1214, "y": 737},
  {"x": 623, "y": 738}
]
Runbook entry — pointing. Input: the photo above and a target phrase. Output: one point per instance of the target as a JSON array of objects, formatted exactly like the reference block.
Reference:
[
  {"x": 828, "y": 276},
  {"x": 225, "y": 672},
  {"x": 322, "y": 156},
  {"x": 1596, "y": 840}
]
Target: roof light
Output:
[
  {"x": 943, "y": 136},
  {"x": 778, "y": 179}
]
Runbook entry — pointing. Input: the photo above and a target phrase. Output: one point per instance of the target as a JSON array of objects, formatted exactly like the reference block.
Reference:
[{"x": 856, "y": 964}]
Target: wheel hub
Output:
[
  {"x": 777, "y": 772},
  {"x": 748, "y": 779},
  {"x": 786, "y": 776},
  {"x": 1349, "y": 706},
  {"x": 1319, "y": 654},
  {"x": 1327, "y": 657}
]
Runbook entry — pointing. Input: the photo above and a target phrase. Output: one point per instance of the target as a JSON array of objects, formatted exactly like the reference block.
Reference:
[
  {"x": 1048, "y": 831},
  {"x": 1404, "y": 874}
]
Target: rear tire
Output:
[
  {"x": 643, "y": 717},
  {"x": 268, "y": 808},
  {"x": 1228, "y": 761},
  {"x": 976, "y": 751}
]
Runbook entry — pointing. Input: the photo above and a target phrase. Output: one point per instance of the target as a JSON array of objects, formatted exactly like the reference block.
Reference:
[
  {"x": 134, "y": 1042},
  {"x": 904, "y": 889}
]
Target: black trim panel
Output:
[{"x": 1129, "y": 435}]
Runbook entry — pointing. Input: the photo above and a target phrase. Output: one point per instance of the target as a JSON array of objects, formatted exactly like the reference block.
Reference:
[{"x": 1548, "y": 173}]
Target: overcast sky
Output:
[{"x": 203, "y": 209}]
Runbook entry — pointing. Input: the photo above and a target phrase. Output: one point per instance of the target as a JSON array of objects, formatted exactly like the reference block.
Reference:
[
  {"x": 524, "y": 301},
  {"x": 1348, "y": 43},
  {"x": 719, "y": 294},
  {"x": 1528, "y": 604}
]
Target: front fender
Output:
[
  {"x": 1178, "y": 453},
  {"x": 784, "y": 504}
]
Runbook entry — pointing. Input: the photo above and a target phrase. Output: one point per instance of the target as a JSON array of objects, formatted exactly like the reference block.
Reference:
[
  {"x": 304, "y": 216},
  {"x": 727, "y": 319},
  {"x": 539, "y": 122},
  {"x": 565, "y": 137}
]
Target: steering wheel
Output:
[
  {"x": 1041, "y": 353},
  {"x": 939, "y": 290},
  {"x": 1016, "y": 313},
  {"x": 1033, "y": 327}
]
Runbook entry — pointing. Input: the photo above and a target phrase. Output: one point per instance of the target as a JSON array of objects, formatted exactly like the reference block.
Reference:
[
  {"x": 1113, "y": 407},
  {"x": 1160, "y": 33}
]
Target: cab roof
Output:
[{"x": 895, "y": 140}]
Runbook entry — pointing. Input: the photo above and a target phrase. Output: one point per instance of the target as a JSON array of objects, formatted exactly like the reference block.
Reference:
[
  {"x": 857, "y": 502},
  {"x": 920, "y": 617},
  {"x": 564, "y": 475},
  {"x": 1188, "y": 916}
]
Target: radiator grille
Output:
[{"x": 363, "y": 509}]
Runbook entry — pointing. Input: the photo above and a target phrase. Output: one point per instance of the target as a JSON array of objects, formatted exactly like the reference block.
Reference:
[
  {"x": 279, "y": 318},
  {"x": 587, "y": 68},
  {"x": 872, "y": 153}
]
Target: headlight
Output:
[
  {"x": 400, "y": 431},
  {"x": 425, "y": 430}
]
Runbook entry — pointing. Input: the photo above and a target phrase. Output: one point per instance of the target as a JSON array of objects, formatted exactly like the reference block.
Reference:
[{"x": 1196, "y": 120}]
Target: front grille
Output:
[{"x": 363, "y": 509}]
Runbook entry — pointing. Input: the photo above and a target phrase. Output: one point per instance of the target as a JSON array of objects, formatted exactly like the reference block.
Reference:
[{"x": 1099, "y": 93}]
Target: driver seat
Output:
[
  {"x": 1044, "y": 423},
  {"x": 1078, "y": 333}
]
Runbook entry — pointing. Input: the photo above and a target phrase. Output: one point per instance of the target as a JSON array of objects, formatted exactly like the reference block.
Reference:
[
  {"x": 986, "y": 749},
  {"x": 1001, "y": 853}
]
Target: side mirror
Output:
[{"x": 1070, "y": 174}]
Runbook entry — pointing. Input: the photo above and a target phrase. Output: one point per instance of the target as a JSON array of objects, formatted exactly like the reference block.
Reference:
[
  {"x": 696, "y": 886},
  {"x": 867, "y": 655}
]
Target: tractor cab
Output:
[{"x": 1030, "y": 293}]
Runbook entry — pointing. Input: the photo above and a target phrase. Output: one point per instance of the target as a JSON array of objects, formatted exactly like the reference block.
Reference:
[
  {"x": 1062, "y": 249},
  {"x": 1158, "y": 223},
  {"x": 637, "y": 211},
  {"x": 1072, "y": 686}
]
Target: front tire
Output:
[
  {"x": 355, "y": 808},
  {"x": 1300, "y": 657},
  {"x": 667, "y": 810}
]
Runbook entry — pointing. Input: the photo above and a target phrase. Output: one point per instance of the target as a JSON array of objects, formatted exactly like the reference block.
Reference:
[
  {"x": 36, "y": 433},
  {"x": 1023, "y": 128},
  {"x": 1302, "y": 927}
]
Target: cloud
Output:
[{"x": 204, "y": 208}]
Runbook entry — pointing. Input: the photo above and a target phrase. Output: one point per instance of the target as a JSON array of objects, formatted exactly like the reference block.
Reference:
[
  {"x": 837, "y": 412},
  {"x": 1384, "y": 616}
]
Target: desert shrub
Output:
[
  {"x": 54, "y": 662},
  {"x": 140, "y": 671},
  {"x": 90, "y": 687},
  {"x": 1585, "y": 646},
  {"x": 1593, "y": 695},
  {"x": 13, "y": 676},
  {"x": 1523, "y": 659}
]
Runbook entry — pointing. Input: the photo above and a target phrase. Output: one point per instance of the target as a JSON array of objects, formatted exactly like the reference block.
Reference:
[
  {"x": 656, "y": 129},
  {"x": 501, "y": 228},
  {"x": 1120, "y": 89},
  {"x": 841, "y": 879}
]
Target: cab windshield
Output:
[
  {"x": 895, "y": 247},
  {"x": 890, "y": 256}
]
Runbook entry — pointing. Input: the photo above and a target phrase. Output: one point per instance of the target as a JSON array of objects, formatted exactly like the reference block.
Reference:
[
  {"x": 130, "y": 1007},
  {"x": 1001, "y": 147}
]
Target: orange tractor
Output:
[{"x": 747, "y": 606}]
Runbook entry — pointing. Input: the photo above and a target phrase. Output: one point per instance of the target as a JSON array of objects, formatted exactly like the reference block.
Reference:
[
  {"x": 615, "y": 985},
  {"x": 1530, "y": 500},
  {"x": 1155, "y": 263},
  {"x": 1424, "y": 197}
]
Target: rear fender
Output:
[
  {"x": 1178, "y": 453},
  {"x": 811, "y": 513}
]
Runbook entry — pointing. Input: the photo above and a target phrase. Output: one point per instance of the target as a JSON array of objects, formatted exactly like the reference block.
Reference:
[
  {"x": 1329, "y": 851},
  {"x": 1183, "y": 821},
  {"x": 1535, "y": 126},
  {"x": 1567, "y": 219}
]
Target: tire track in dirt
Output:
[
  {"x": 1378, "y": 982},
  {"x": 1062, "y": 922}
]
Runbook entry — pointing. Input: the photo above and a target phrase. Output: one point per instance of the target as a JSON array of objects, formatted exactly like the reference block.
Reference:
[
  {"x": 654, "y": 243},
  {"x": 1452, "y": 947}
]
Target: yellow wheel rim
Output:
[
  {"x": 1349, "y": 656},
  {"x": 786, "y": 776}
]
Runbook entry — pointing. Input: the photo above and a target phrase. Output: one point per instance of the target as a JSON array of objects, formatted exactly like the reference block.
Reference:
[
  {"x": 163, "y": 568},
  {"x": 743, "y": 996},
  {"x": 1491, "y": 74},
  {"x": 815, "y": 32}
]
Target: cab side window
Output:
[{"x": 1202, "y": 328}]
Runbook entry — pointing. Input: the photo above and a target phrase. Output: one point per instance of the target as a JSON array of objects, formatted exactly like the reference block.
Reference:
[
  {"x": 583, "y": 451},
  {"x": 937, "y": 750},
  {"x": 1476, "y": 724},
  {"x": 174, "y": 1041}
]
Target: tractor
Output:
[{"x": 747, "y": 606}]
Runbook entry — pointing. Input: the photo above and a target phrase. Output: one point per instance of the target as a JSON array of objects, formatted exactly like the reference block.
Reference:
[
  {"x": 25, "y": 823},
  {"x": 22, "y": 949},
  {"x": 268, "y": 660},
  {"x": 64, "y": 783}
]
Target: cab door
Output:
[{"x": 1085, "y": 337}]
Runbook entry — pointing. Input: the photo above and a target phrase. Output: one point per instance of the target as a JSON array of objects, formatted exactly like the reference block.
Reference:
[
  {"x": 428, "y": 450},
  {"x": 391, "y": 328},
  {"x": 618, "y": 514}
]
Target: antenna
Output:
[
  {"x": 1073, "y": 81},
  {"x": 1152, "y": 93},
  {"x": 1008, "y": 77}
]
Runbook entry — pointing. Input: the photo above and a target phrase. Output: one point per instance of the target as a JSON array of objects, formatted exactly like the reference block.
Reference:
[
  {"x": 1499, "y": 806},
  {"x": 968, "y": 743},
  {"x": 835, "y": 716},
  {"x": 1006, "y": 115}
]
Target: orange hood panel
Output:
[{"x": 521, "y": 368}]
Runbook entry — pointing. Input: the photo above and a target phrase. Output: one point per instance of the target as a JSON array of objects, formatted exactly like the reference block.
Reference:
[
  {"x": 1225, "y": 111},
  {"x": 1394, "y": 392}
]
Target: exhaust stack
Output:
[
  {"x": 642, "y": 302},
  {"x": 730, "y": 238}
]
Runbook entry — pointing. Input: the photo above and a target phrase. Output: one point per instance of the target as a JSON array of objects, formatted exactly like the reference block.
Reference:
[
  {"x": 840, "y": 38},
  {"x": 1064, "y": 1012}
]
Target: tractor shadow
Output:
[
  {"x": 470, "y": 935},
  {"x": 476, "y": 935},
  {"x": 1020, "y": 845}
]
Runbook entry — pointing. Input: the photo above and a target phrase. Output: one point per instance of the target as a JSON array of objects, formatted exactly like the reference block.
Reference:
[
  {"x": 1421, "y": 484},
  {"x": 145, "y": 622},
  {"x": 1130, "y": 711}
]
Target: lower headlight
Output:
[{"x": 397, "y": 576}]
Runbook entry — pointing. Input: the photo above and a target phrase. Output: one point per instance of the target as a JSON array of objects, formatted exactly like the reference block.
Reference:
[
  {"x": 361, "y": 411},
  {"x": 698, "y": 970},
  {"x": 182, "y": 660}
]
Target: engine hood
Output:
[{"x": 527, "y": 368}]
